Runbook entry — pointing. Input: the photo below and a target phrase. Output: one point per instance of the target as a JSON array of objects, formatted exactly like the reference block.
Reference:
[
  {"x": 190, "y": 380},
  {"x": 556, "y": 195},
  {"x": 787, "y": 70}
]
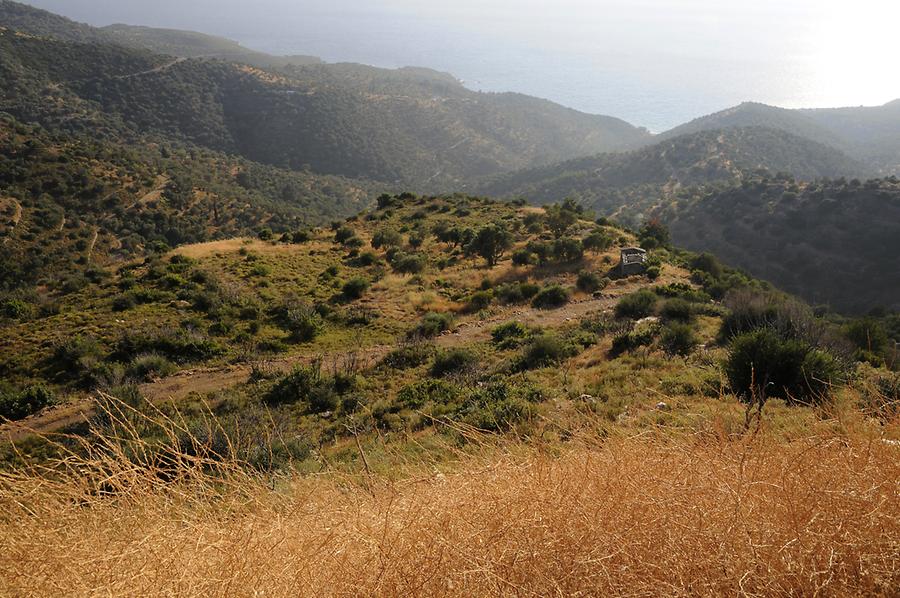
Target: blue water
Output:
[
  {"x": 656, "y": 94},
  {"x": 653, "y": 63}
]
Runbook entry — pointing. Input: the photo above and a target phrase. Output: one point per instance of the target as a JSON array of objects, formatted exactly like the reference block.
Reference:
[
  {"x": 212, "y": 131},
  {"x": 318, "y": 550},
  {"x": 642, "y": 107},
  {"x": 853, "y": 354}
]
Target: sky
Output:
[{"x": 655, "y": 63}]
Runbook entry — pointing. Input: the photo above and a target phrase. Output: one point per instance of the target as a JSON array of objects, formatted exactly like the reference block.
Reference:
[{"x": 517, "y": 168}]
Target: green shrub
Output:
[
  {"x": 367, "y": 258},
  {"x": 523, "y": 257},
  {"x": 308, "y": 385},
  {"x": 678, "y": 310},
  {"x": 18, "y": 405},
  {"x": 432, "y": 325},
  {"x": 550, "y": 297},
  {"x": 636, "y": 305},
  {"x": 386, "y": 238},
  {"x": 149, "y": 366},
  {"x": 763, "y": 364},
  {"x": 496, "y": 407},
  {"x": 453, "y": 361},
  {"x": 516, "y": 292},
  {"x": 568, "y": 249},
  {"x": 409, "y": 356},
  {"x": 343, "y": 234},
  {"x": 17, "y": 309},
  {"x": 355, "y": 288},
  {"x": 510, "y": 335},
  {"x": 430, "y": 391},
  {"x": 301, "y": 236},
  {"x": 478, "y": 301},
  {"x": 640, "y": 336},
  {"x": 588, "y": 282},
  {"x": 545, "y": 350},
  {"x": 405, "y": 263},
  {"x": 678, "y": 339},
  {"x": 180, "y": 346}
]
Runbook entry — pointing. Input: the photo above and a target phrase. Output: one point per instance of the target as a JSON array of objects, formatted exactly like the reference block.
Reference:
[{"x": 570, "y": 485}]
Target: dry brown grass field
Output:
[{"x": 645, "y": 515}]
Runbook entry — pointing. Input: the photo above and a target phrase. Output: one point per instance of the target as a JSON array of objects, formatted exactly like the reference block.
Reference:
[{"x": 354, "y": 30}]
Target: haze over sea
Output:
[{"x": 638, "y": 60}]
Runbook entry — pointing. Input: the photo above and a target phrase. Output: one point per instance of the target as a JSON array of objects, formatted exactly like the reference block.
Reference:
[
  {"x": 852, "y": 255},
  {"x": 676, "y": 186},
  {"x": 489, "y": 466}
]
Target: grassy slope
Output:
[{"x": 604, "y": 492}]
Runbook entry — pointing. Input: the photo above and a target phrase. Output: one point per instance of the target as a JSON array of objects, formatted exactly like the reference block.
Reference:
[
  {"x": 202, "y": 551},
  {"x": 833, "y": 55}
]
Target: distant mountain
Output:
[
  {"x": 834, "y": 242},
  {"x": 870, "y": 134},
  {"x": 629, "y": 184},
  {"x": 190, "y": 44},
  {"x": 410, "y": 127}
]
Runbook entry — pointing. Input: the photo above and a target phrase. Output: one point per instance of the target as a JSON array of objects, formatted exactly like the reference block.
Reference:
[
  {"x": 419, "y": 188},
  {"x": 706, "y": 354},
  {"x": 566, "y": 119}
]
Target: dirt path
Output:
[
  {"x": 16, "y": 218},
  {"x": 158, "y": 69},
  {"x": 154, "y": 193},
  {"x": 207, "y": 380},
  {"x": 90, "y": 249}
]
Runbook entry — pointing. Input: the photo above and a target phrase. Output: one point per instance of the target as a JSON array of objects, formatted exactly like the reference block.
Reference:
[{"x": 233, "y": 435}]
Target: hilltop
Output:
[
  {"x": 627, "y": 184},
  {"x": 408, "y": 126},
  {"x": 870, "y": 134}
]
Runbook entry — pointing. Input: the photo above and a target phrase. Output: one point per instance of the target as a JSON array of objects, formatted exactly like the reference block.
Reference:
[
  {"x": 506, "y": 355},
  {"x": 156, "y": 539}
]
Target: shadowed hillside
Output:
[{"x": 408, "y": 126}]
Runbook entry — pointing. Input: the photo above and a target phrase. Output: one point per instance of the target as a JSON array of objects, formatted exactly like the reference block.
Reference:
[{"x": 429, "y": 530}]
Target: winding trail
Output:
[{"x": 207, "y": 380}]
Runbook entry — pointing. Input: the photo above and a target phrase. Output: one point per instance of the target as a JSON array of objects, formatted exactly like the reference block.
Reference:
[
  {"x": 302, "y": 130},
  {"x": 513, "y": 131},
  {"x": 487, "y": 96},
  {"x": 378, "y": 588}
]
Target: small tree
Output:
[
  {"x": 653, "y": 234},
  {"x": 560, "y": 218},
  {"x": 597, "y": 242},
  {"x": 491, "y": 242},
  {"x": 386, "y": 238}
]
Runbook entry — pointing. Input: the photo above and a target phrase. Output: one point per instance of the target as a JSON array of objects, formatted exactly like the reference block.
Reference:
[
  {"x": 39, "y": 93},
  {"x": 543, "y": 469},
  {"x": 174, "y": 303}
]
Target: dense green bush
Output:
[
  {"x": 479, "y": 300},
  {"x": 408, "y": 356},
  {"x": 550, "y": 297},
  {"x": 637, "y": 305},
  {"x": 678, "y": 338},
  {"x": 678, "y": 310},
  {"x": 405, "y": 263},
  {"x": 588, "y": 282},
  {"x": 17, "y": 405},
  {"x": 523, "y": 257},
  {"x": 301, "y": 320},
  {"x": 308, "y": 385},
  {"x": 545, "y": 350},
  {"x": 498, "y": 406},
  {"x": 763, "y": 364},
  {"x": 510, "y": 335},
  {"x": 180, "y": 346},
  {"x": 516, "y": 292},
  {"x": 149, "y": 366},
  {"x": 355, "y": 288},
  {"x": 432, "y": 325},
  {"x": 386, "y": 238},
  {"x": 629, "y": 340},
  {"x": 453, "y": 361},
  {"x": 430, "y": 391},
  {"x": 343, "y": 234}
]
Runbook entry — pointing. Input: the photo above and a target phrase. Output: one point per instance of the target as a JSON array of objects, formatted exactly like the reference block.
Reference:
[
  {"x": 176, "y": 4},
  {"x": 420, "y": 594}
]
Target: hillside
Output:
[
  {"x": 440, "y": 381},
  {"x": 410, "y": 127},
  {"x": 73, "y": 204},
  {"x": 870, "y": 134},
  {"x": 191, "y": 44},
  {"x": 830, "y": 242},
  {"x": 626, "y": 185}
]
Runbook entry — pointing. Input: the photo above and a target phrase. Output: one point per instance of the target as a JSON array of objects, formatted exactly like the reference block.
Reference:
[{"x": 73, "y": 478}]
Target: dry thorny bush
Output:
[{"x": 641, "y": 516}]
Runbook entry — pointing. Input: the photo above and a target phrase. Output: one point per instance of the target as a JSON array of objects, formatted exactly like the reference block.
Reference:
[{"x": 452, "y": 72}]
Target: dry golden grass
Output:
[{"x": 637, "y": 516}]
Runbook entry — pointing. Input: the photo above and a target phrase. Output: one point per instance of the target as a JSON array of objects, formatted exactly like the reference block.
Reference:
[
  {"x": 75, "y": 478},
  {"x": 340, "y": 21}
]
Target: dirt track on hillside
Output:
[{"x": 207, "y": 380}]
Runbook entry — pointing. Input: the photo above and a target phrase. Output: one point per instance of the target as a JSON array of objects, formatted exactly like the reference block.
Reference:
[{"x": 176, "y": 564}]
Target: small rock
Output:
[
  {"x": 585, "y": 397},
  {"x": 662, "y": 406}
]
